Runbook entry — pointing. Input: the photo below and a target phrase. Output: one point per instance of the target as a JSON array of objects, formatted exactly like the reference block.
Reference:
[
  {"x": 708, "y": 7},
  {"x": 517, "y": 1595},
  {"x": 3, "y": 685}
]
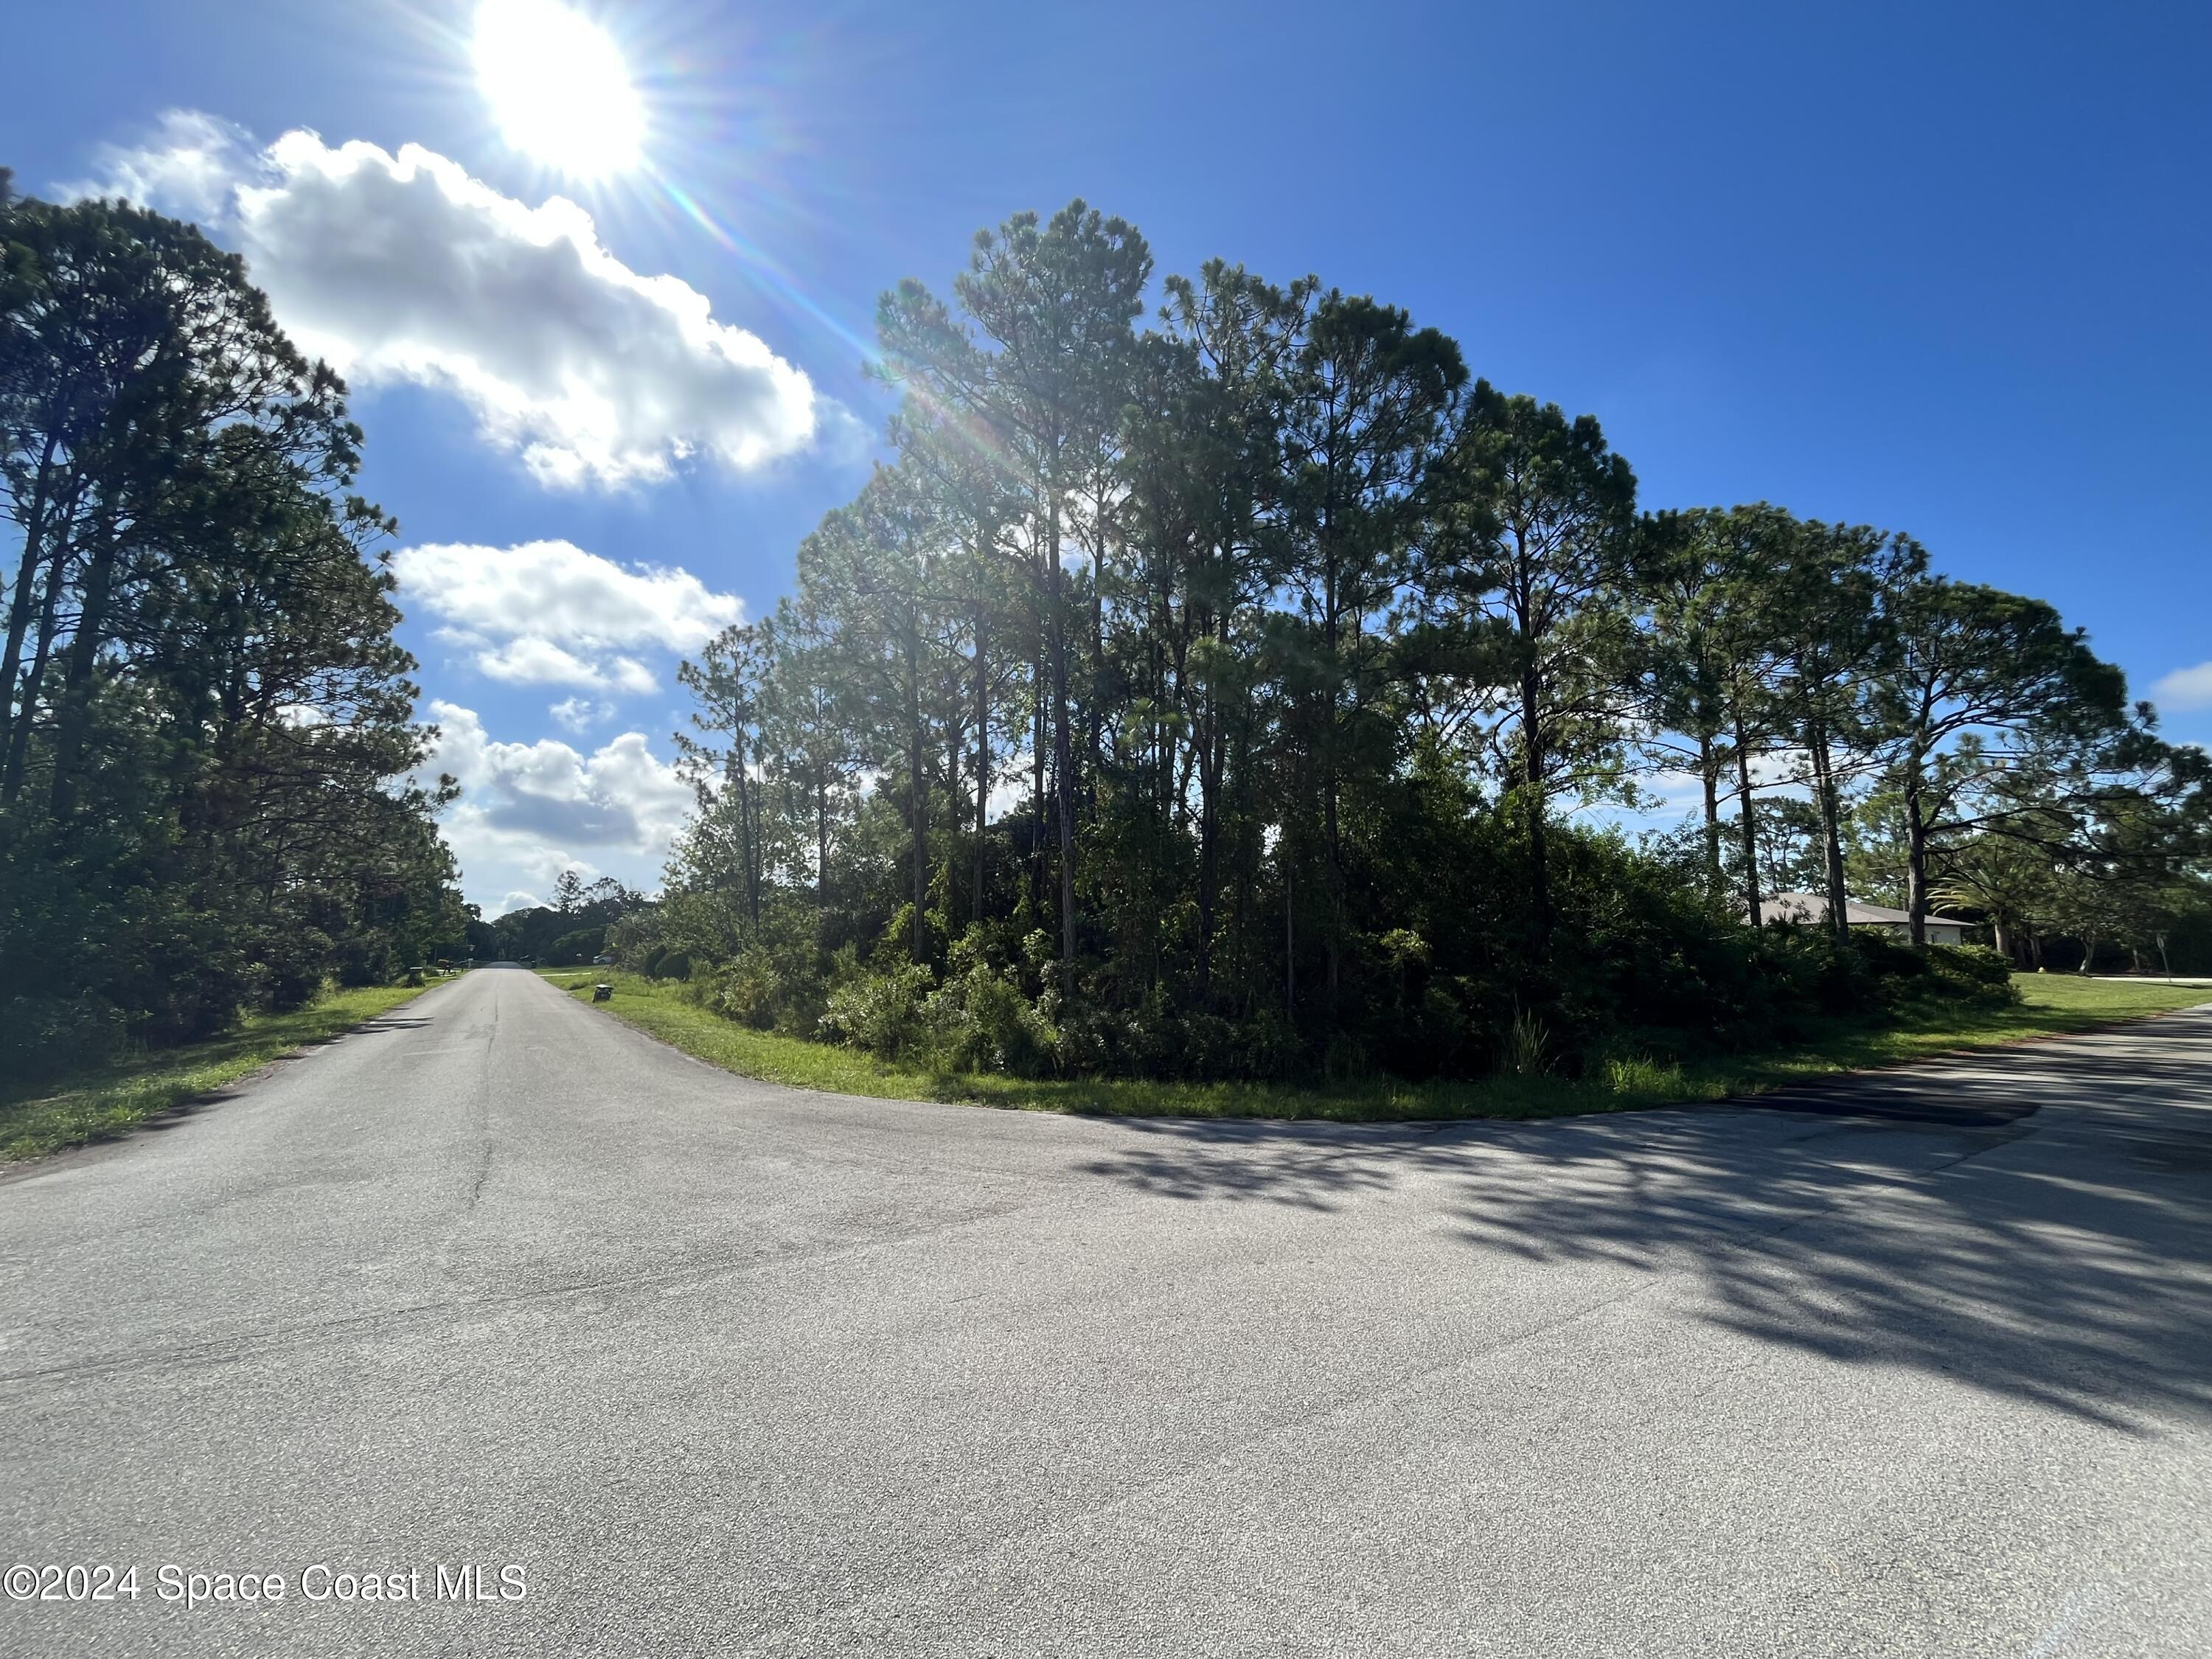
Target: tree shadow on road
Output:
[
  {"x": 2037, "y": 1222},
  {"x": 1309, "y": 1166}
]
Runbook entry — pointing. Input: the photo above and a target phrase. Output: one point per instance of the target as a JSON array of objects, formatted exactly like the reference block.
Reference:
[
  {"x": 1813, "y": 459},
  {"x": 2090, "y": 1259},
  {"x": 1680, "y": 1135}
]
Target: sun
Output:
[{"x": 558, "y": 87}]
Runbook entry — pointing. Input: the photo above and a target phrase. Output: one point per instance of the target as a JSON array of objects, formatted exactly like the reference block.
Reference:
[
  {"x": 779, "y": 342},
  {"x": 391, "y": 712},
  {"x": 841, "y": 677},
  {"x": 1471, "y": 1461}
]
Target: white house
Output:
[{"x": 1812, "y": 908}]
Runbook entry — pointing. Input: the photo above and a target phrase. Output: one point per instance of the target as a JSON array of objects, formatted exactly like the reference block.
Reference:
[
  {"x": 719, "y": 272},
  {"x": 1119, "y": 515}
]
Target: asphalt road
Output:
[{"x": 1923, "y": 1367}]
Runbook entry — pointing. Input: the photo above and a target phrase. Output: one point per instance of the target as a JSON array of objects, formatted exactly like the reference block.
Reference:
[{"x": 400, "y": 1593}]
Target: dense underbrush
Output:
[{"x": 1636, "y": 968}]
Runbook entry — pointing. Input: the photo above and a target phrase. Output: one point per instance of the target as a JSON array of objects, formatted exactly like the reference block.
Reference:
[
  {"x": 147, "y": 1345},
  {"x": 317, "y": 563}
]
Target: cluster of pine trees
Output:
[
  {"x": 207, "y": 724},
  {"x": 1218, "y": 692},
  {"x": 1917, "y": 728}
]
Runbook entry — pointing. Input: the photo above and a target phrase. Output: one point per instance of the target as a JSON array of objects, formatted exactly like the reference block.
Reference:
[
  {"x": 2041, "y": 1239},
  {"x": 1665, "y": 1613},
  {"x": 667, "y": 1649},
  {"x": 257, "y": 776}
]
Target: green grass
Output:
[
  {"x": 110, "y": 1100},
  {"x": 2050, "y": 1006},
  {"x": 2062, "y": 997}
]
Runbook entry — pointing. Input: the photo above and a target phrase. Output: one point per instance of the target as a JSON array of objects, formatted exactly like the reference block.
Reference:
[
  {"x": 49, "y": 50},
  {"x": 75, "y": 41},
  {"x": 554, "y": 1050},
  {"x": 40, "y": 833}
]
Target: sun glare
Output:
[{"x": 558, "y": 87}]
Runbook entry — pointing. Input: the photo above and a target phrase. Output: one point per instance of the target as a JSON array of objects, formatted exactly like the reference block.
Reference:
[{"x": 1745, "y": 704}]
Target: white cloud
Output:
[
  {"x": 541, "y": 662},
  {"x": 2185, "y": 688},
  {"x": 529, "y": 811},
  {"x": 578, "y": 714},
  {"x": 404, "y": 268},
  {"x": 191, "y": 167},
  {"x": 548, "y": 613},
  {"x": 620, "y": 796}
]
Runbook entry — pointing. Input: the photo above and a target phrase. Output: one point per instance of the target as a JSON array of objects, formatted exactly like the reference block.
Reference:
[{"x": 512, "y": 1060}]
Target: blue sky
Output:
[{"x": 1941, "y": 268}]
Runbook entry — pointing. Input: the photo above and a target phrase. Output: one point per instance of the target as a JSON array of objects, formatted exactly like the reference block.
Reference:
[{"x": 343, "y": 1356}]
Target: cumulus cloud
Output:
[
  {"x": 541, "y": 662},
  {"x": 529, "y": 811},
  {"x": 620, "y": 796},
  {"x": 403, "y": 267},
  {"x": 2185, "y": 688},
  {"x": 549, "y": 613}
]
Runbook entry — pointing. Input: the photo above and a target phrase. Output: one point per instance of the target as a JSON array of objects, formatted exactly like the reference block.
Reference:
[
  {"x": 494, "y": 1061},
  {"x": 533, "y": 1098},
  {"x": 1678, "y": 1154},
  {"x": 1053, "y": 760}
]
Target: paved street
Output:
[{"x": 1921, "y": 1366}]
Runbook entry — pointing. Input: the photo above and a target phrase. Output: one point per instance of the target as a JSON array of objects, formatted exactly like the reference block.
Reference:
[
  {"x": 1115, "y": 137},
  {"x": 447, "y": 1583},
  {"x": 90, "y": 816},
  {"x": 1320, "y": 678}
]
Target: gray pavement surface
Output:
[{"x": 1922, "y": 1365}]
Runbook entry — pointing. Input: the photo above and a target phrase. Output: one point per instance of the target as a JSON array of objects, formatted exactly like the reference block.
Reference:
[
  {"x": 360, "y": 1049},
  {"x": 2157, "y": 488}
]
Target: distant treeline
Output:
[
  {"x": 206, "y": 724},
  {"x": 570, "y": 931},
  {"x": 1216, "y": 693}
]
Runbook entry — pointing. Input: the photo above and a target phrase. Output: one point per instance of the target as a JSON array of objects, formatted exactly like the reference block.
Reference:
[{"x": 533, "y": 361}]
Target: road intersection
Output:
[{"x": 1917, "y": 1365}]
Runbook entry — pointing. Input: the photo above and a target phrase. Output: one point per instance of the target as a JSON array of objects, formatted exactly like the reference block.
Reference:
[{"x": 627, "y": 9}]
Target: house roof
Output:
[{"x": 1813, "y": 907}]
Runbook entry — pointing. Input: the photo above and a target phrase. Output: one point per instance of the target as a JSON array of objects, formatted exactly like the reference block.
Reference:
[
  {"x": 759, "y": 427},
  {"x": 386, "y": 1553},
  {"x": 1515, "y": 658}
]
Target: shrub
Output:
[
  {"x": 879, "y": 1010},
  {"x": 747, "y": 988},
  {"x": 1972, "y": 974},
  {"x": 980, "y": 1021}
]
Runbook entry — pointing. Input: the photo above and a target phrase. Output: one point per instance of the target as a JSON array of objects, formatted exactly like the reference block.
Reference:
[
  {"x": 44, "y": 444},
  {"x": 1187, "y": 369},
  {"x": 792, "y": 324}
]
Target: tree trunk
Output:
[
  {"x": 1750, "y": 824},
  {"x": 982, "y": 763},
  {"x": 1209, "y": 785},
  {"x": 1040, "y": 711},
  {"x": 34, "y": 677},
  {"x": 953, "y": 818},
  {"x": 73, "y": 721},
  {"x": 1531, "y": 754},
  {"x": 749, "y": 847},
  {"x": 19, "y": 602},
  {"x": 1832, "y": 840},
  {"x": 1709, "y": 775},
  {"x": 1240, "y": 920},
  {"x": 917, "y": 796},
  {"x": 1095, "y": 735},
  {"x": 1063, "y": 762},
  {"x": 1330, "y": 848},
  {"x": 1916, "y": 853},
  {"x": 1332, "y": 957}
]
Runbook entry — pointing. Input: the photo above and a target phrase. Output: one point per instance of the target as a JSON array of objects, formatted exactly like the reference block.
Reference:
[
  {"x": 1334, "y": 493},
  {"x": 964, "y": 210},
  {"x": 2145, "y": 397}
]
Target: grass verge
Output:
[
  {"x": 110, "y": 1100},
  {"x": 2051, "y": 1005}
]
